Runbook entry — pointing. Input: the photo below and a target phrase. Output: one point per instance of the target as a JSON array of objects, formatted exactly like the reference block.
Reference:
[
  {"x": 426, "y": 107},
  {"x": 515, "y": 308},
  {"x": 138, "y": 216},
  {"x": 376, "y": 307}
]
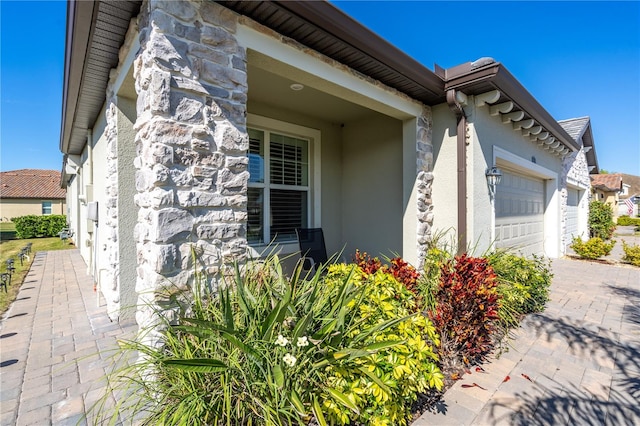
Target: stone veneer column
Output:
[
  {"x": 191, "y": 146},
  {"x": 424, "y": 148},
  {"x": 109, "y": 281},
  {"x": 575, "y": 169}
]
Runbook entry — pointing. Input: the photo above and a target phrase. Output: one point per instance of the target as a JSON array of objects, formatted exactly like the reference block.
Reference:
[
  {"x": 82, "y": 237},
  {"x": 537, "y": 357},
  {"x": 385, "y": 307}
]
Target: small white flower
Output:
[
  {"x": 290, "y": 360},
  {"x": 302, "y": 341},
  {"x": 281, "y": 340}
]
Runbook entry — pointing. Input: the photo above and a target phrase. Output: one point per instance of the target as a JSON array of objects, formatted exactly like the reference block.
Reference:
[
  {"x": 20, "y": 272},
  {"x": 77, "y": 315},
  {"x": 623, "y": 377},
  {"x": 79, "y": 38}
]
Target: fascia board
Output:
[{"x": 80, "y": 19}]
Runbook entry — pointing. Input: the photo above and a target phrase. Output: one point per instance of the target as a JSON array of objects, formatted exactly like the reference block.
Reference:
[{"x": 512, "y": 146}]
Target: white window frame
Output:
[
  {"x": 50, "y": 208},
  {"x": 259, "y": 122}
]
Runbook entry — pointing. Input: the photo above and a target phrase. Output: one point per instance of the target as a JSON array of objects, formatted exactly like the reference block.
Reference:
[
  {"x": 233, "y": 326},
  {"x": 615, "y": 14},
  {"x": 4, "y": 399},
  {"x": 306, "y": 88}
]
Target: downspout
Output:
[
  {"x": 90, "y": 156},
  {"x": 461, "y": 131}
]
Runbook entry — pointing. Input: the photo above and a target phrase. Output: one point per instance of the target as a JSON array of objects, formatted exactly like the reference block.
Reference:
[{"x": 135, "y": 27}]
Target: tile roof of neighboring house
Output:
[
  {"x": 575, "y": 126},
  {"x": 31, "y": 183},
  {"x": 607, "y": 182}
]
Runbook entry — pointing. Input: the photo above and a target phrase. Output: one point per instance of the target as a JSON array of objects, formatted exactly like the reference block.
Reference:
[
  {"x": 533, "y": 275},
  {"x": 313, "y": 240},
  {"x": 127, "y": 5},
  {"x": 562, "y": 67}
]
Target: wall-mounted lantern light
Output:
[{"x": 494, "y": 175}]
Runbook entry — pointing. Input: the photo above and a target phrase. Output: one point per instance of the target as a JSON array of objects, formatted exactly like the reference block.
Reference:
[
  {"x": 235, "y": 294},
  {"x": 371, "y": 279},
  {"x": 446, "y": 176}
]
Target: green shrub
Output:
[
  {"x": 627, "y": 221},
  {"x": 523, "y": 285},
  {"x": 631, "y": 253},
  {"x": 397, "y": 374},
  {"x": 466, "y": 308},
  {"x": 269, "y": 350},
  {"x": 601, "y": 220},
  {"x": 31, "y": 226},
  {"x": 592, "y": 249}
]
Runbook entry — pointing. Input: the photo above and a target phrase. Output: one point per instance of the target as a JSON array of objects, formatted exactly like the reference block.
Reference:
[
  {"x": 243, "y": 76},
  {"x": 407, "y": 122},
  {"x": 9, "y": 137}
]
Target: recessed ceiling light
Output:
[{"x": 296, "y": 87}]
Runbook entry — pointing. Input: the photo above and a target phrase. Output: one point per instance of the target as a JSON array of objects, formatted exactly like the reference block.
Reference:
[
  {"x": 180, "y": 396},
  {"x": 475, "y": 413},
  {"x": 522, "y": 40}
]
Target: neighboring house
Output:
[
  {"x": 607, "y": 188},
  {"x": 576, "y": 192},
  {"x": 31, "y": 192},
  {"x": 630, "y": 191},
  {"x": 223, "y": 126}
]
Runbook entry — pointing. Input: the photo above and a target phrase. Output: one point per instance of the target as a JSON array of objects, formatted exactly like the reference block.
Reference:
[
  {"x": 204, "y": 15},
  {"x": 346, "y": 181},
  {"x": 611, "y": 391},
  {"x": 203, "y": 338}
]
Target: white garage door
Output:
[
  {"x": 520, "y": 213},
  {"x": 571, "y": 225}
]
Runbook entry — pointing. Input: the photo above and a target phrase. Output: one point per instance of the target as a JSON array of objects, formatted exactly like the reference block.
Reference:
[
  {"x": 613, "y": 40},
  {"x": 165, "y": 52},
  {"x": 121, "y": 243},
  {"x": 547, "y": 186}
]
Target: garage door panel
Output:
[{"x": 520, "y": 213}]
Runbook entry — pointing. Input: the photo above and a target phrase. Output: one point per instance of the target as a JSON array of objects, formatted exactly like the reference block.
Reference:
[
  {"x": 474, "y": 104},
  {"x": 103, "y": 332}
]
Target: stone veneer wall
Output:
[
  {"x": 191, "y": 143},
  {"x": 424, "y": 148},
  {"x": 575, "y": 170},
  {"x": 110, "y": 282}
]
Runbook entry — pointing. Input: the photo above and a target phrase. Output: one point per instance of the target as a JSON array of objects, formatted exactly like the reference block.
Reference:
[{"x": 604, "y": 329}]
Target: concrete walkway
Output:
[
  {"x": 55, "y": 344},
  {"x": 576, "y": 363}
]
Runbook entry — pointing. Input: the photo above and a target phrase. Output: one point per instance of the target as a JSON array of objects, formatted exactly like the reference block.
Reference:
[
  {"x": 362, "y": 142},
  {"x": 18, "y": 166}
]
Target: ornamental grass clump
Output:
[{"x": 266, "y": 349}]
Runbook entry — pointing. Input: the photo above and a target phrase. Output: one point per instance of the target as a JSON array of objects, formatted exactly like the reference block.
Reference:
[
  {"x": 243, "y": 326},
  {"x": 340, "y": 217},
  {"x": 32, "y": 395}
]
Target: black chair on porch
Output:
[{"x": 312, "y": 247}]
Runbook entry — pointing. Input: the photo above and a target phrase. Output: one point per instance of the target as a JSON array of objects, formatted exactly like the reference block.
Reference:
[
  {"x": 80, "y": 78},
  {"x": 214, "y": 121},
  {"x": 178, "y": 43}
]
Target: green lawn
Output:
[
  {"x": 10, "y": 249},
  {"x": 7, "y": 231}
]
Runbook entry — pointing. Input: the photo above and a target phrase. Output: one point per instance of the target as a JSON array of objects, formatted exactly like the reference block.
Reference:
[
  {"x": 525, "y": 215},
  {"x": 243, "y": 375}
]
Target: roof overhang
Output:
[
  {"x": 95, "y": 33},
  {"x": 590, "y": 150},
  {"x": 326, "y": 29},
  {"x": 485, "y": 76}
]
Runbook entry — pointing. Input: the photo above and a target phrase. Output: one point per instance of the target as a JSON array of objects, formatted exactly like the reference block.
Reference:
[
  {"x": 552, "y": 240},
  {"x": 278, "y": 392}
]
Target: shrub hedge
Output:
[
  {"x": 31, "y": 226},
  {"x": 627, "y": 221}
]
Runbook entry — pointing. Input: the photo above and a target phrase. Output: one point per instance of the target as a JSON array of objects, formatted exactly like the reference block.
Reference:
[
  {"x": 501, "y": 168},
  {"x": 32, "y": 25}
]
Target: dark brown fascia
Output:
[
  {"x": 326, "y": 16},
  {"x": 472, "y": 81},
  {"x": 80, "y": 17}
]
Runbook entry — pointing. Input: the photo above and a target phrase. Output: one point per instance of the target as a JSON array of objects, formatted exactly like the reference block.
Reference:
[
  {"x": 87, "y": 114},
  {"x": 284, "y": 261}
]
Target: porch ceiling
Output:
[{"x": 273, "y": 89}]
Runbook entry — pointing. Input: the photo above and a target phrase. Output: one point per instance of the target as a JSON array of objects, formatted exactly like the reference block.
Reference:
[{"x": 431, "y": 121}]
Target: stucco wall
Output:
[
  {"x": 372, "y": 186},
  {"x": 489, "y": 132},
  {"x": 486, "y": 135},
  {"x": 22, "y": 207},
  {"x": 445, "y": 179}
]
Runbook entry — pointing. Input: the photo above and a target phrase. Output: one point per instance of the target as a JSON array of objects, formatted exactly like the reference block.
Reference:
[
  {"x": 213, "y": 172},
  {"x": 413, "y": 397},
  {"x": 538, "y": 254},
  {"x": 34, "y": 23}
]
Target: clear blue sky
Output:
[{"x": 576, "y": 58}]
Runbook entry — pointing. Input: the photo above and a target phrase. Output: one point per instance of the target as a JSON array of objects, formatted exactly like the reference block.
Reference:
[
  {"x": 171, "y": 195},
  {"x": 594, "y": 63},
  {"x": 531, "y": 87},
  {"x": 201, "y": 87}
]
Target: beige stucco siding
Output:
[
  {"x": 10, "y": 208},
  {"x": 372, "y": 186},
  {"x": 445, "y": 179},
  {"x": 490, "y": 141},
  {"x": 488, "y": 133}
]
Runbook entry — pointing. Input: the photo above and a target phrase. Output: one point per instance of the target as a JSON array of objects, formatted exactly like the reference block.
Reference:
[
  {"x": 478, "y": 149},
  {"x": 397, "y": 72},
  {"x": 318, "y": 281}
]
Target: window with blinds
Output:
[
  {"x": 47, "y": 208},
  {"x": 278, "y": 193}
]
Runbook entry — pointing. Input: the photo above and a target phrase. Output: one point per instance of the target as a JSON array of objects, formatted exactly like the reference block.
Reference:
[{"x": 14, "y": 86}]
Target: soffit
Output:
[
  {"x": 96, "y": 30},
  {"x": 95, "y": 33},
  {"x": 327, "y": 30}
]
